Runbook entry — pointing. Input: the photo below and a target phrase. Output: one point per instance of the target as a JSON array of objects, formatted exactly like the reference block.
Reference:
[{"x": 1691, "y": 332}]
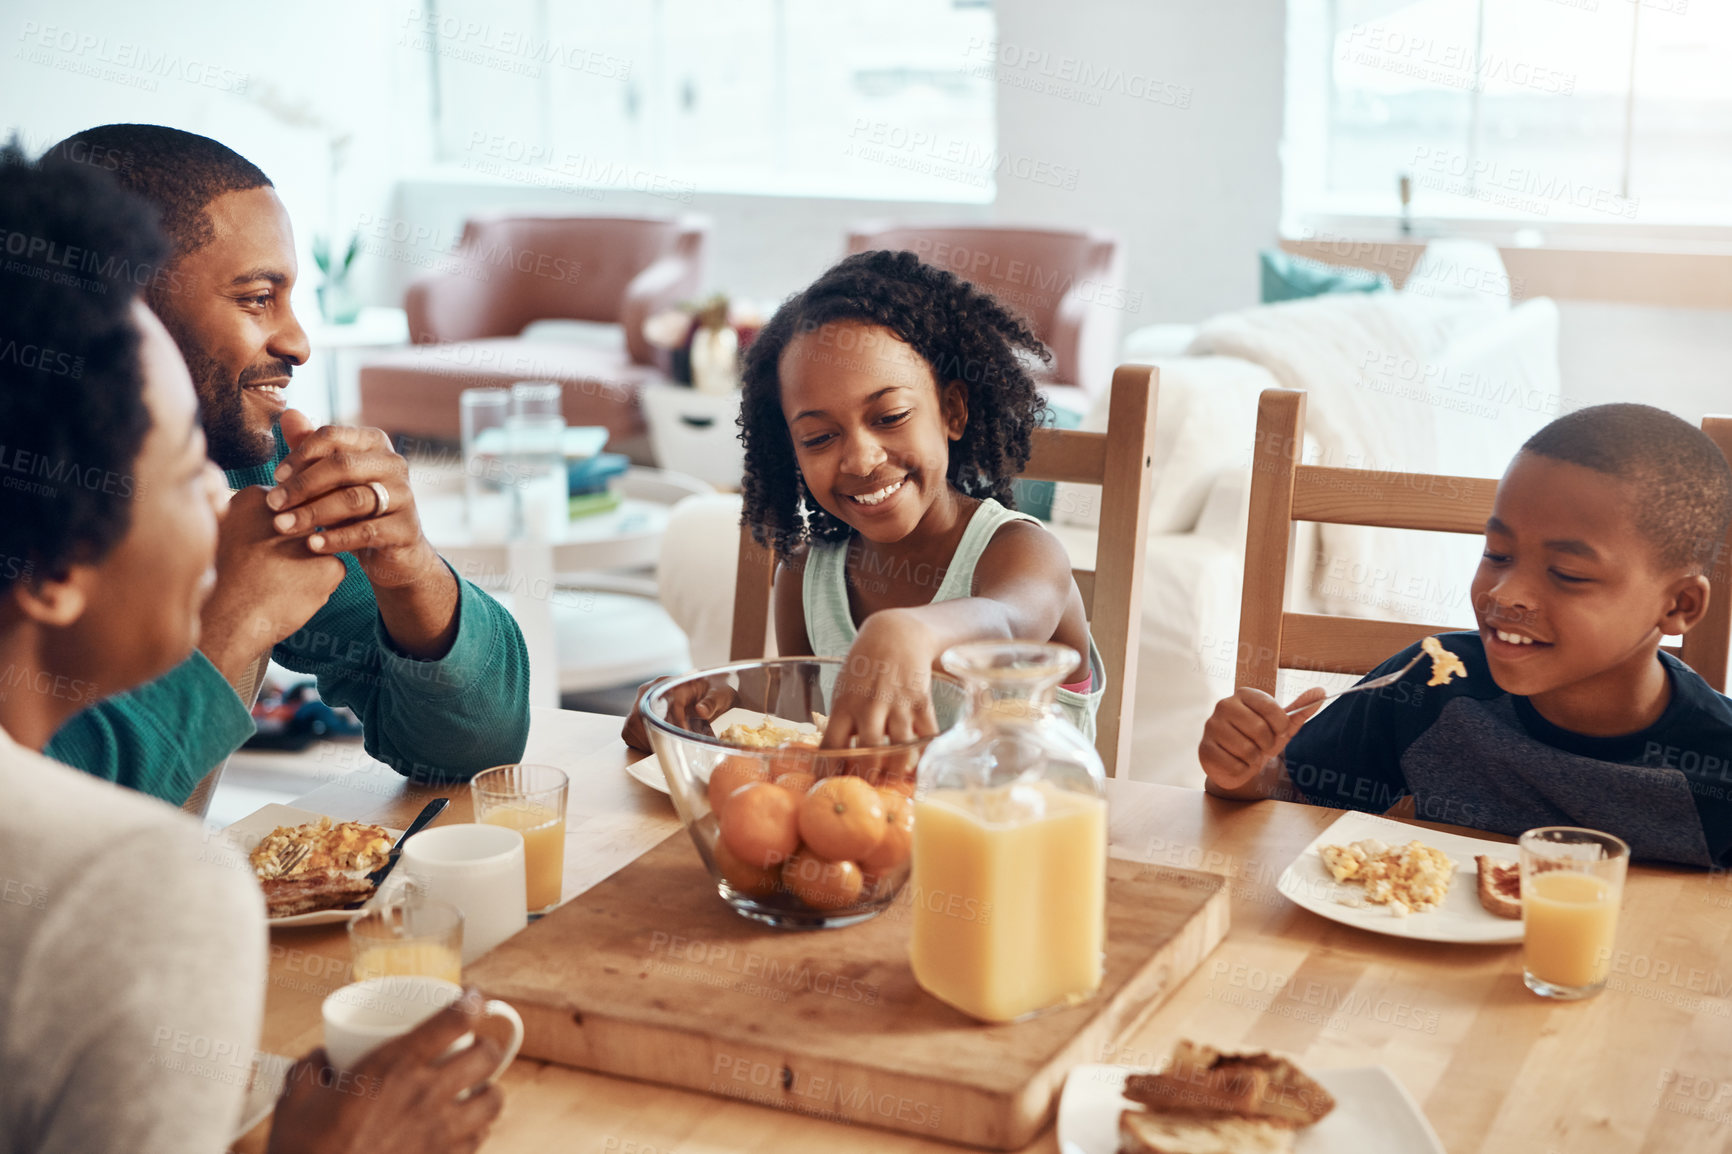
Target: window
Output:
[
  {"x": 758, "y": 96},
  {"x": 1615, "y": 112}
]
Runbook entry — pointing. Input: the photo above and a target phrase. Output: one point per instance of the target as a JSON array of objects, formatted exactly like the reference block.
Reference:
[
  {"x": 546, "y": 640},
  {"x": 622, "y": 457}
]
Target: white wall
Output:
[
  {"x": 275, "y": 85},
  {"x": 761, "y": 248},
  {"x": 1679, "y": 359},
  {"x": 1189, "y": 179},
  {"x": 1195, "y": 191}
]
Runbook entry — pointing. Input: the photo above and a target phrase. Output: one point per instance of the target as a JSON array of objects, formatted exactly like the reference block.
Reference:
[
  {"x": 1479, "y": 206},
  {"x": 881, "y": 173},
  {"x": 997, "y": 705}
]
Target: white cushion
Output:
[
  {"x": 1153, "y": 342},
  {"x": 695, "y": 576},
  {"x": 1455, "y": 268},
  {"x": 1205, "y": 419}
]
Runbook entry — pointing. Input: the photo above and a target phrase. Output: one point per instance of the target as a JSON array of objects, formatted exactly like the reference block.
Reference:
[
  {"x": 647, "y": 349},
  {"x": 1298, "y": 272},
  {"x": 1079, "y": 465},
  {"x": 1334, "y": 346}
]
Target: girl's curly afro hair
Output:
[{"x": 963, "y": 333}]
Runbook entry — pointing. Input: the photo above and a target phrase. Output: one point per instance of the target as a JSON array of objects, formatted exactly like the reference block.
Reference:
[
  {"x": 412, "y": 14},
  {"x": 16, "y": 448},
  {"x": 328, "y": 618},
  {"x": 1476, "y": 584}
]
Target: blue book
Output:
[{"x": 591, "y": 474}]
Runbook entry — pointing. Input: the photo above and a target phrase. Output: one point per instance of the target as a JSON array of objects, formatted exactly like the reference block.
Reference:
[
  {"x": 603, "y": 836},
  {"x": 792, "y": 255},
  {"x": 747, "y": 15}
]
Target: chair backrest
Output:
[
  {"x": 1120, "y": 461},
  {"x": 528, "y": 268},
  {"x": 1283, "y": 490},
  {"x": 1066, "y": 284}
]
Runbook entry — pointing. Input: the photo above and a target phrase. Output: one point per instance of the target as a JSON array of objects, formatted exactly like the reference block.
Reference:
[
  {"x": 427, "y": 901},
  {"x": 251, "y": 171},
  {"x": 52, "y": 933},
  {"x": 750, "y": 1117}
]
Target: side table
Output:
[
  {"x": 375, "y": 328},
  {"x": 586, "y": 602}
]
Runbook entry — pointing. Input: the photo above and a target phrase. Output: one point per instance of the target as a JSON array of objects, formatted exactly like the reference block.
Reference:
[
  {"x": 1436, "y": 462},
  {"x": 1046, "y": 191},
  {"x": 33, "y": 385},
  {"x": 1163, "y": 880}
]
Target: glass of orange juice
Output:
[
  {"x": 1572, "y": 885},
  {"x": 531, "y": 800},
  {"x": 408, "y": 935}
]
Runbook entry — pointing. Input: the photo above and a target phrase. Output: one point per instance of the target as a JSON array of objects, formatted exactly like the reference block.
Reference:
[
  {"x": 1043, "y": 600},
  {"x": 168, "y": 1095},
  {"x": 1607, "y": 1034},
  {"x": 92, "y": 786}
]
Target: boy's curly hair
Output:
[{"x": 963, "y": 334}]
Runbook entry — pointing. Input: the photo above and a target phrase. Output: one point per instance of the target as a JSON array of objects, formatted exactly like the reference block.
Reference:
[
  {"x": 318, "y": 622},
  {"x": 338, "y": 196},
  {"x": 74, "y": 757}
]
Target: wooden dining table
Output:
[{"x": 1645, "y": 1066}]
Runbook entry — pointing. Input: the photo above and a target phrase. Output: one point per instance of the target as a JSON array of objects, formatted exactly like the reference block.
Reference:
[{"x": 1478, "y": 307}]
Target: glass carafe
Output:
[{"x": 1010, "y": 843}]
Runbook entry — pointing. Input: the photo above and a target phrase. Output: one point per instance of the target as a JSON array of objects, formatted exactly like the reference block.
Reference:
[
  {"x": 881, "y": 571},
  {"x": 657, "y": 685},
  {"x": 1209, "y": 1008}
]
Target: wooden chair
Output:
[
  {"x": 1283, "y": 491},
  {"x": 1119, "y": 461}
]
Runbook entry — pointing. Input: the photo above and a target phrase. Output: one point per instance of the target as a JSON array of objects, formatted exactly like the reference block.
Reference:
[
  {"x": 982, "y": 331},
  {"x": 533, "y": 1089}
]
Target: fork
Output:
[
  {"x": 1376, "y": 683},
  {"x": 290, "y": 857}
]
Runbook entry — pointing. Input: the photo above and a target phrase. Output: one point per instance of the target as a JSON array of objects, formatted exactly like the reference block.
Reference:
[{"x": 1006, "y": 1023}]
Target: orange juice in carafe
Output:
[
  {"x": 1010, "y": 843},
  {"x": 1009, "y": 896}
]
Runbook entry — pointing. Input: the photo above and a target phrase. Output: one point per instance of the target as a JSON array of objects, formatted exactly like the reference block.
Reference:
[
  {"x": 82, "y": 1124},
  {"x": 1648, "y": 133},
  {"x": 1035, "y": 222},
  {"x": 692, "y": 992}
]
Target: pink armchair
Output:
[
  {"x": 1069, "y": 286},
  {"x": 511, "y": 270}
]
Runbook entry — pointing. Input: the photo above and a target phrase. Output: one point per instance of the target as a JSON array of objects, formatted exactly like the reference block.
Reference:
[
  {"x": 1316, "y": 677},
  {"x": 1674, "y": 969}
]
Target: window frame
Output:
[{"x": 1311, "y": 210}]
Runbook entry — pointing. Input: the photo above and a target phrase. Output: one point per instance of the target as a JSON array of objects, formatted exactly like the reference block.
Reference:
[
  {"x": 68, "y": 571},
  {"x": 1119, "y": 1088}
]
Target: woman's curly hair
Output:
[{"x": 962, "y": 332}]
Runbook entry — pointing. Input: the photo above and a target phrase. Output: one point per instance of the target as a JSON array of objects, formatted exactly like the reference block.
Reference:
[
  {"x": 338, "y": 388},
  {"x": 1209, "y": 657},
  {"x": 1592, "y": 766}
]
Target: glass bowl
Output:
[{"x": 784, "y": 846}]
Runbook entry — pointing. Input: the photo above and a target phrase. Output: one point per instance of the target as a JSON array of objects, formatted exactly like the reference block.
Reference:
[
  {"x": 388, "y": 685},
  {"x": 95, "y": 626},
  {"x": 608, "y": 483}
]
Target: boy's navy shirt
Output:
[{"x": 1472, "y": 754}]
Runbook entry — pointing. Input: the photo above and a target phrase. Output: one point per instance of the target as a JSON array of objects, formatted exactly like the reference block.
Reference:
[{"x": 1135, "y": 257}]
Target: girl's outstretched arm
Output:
[{"x": 1023, "y": 589}]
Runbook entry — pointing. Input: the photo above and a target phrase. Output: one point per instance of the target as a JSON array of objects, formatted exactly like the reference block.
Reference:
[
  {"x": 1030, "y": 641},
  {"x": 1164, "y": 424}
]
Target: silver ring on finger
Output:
[{"x": 383, "y": 495}]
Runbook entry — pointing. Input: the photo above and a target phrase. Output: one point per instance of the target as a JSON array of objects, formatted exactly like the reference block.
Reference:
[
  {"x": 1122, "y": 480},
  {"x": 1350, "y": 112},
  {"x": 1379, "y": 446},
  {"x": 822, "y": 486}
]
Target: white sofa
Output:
[{"x": 1432, "y": 379}]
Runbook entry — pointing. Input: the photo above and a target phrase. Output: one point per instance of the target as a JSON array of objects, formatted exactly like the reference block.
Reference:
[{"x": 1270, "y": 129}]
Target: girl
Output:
[{"x": 885, "y": 410}]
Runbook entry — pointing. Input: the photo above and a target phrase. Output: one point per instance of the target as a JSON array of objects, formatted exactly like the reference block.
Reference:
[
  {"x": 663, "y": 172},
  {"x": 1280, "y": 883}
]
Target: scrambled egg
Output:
[
  {"x": 1410, "y": 879},
  {"x": 1444, "y": 664},
  {"x": 351, "y": 845},
  {"x": 767, "y": 736}
]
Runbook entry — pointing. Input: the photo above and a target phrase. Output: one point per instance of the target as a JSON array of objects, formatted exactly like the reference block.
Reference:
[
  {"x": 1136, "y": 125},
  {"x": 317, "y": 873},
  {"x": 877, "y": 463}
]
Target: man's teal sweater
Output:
[{"x": 429, "y": 720}]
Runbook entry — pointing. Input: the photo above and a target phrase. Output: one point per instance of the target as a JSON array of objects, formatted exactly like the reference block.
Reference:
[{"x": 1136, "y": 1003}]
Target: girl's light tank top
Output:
[{"x": 830, "y": 623}]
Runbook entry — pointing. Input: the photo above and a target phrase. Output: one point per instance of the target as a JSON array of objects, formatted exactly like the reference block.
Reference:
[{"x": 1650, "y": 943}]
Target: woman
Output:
[{"x": 131, "y": 969}]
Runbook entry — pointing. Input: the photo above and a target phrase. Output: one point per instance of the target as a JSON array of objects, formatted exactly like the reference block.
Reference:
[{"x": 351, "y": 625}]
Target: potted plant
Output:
[{"x": 336, "y": 303}]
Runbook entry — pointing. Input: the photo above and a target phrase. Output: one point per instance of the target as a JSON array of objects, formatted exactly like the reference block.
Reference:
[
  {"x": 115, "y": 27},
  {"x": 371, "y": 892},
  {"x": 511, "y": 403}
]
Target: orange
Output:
[
  {"x": 823, "y": 885},
  {"x": 842, "y": 819},
  {"x": 789, "y": 759},
  {"x": 731, "y": 774},
  {"x": 893, "y": 849},
  {"x": 903, "y": 786},
  {"x": 743, "y": 876},
  {"x": 798, "y": 784},
  {"x": 760, "y": 823}
]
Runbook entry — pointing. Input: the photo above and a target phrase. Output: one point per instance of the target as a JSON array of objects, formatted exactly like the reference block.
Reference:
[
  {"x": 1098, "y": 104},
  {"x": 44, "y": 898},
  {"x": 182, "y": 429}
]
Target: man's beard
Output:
[{"x": 228, "y": 440}]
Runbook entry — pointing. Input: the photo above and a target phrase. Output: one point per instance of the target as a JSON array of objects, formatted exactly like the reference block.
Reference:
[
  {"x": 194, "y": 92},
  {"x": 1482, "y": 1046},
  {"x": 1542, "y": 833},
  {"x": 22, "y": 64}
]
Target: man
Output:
[
  {"x": 132, "y": 965},
  {"x": 321, "y": 562}
]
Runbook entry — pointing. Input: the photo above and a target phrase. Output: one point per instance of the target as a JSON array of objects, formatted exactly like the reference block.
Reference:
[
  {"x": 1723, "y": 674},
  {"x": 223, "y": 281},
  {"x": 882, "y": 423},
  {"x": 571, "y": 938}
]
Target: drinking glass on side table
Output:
[
  {"x": 488, "y": 501},
  {"x": 536, "y": 432},
  {"x": 531, "y": 800},
  {"x": 1572, "y": 885}
]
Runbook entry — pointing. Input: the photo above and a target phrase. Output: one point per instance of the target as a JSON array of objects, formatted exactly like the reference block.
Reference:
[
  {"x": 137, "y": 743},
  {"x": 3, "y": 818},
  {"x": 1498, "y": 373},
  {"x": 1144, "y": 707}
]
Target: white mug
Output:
[
  {"x": 477, "y": 868},
  {"x": 362, "y": 1016}
]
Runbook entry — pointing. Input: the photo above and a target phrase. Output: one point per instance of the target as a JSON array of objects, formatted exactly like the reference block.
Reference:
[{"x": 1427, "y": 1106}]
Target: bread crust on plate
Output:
[
  {"x": 310, "y": 893},
  {"x": 1500, "y": 886},
  {"x": 1262, "y": 1086}
]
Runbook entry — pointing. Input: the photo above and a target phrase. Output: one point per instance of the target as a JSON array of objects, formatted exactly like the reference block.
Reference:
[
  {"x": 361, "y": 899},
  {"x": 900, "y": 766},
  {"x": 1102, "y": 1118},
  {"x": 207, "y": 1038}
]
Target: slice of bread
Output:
[
  {"x": 1178, "y": 1132},
  {"x": 323, "y": 890},
  {"x": 1254, "y": 1086},
  {"x": 1500, "y": 886}
]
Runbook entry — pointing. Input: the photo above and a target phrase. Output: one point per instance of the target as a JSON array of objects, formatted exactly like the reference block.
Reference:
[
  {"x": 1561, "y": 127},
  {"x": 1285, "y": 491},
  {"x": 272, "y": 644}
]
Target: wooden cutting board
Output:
[{"x": 650, "y": 975}]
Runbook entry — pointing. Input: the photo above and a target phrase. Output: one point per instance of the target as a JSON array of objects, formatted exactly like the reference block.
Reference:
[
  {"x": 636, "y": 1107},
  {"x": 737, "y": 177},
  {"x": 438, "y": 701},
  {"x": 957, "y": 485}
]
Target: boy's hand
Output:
[
  {"x": 884, "y": 691},
  {"x": 1246, "y": 731},
  {"x": 686, "y": 707}
]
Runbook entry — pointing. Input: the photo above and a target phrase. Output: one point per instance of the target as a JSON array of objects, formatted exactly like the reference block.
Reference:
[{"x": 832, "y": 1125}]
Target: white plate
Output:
[
  {"x": 649, "y": 771},
  {"x": 240, "y": 839},
  {"x": 1307, "y": 882},
  {"x": 1374, "y": 1114}
]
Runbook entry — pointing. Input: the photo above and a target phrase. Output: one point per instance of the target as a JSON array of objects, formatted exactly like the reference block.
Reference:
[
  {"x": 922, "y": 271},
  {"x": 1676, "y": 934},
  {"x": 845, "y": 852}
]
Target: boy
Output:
[{"x": 1602, "y": 534}]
